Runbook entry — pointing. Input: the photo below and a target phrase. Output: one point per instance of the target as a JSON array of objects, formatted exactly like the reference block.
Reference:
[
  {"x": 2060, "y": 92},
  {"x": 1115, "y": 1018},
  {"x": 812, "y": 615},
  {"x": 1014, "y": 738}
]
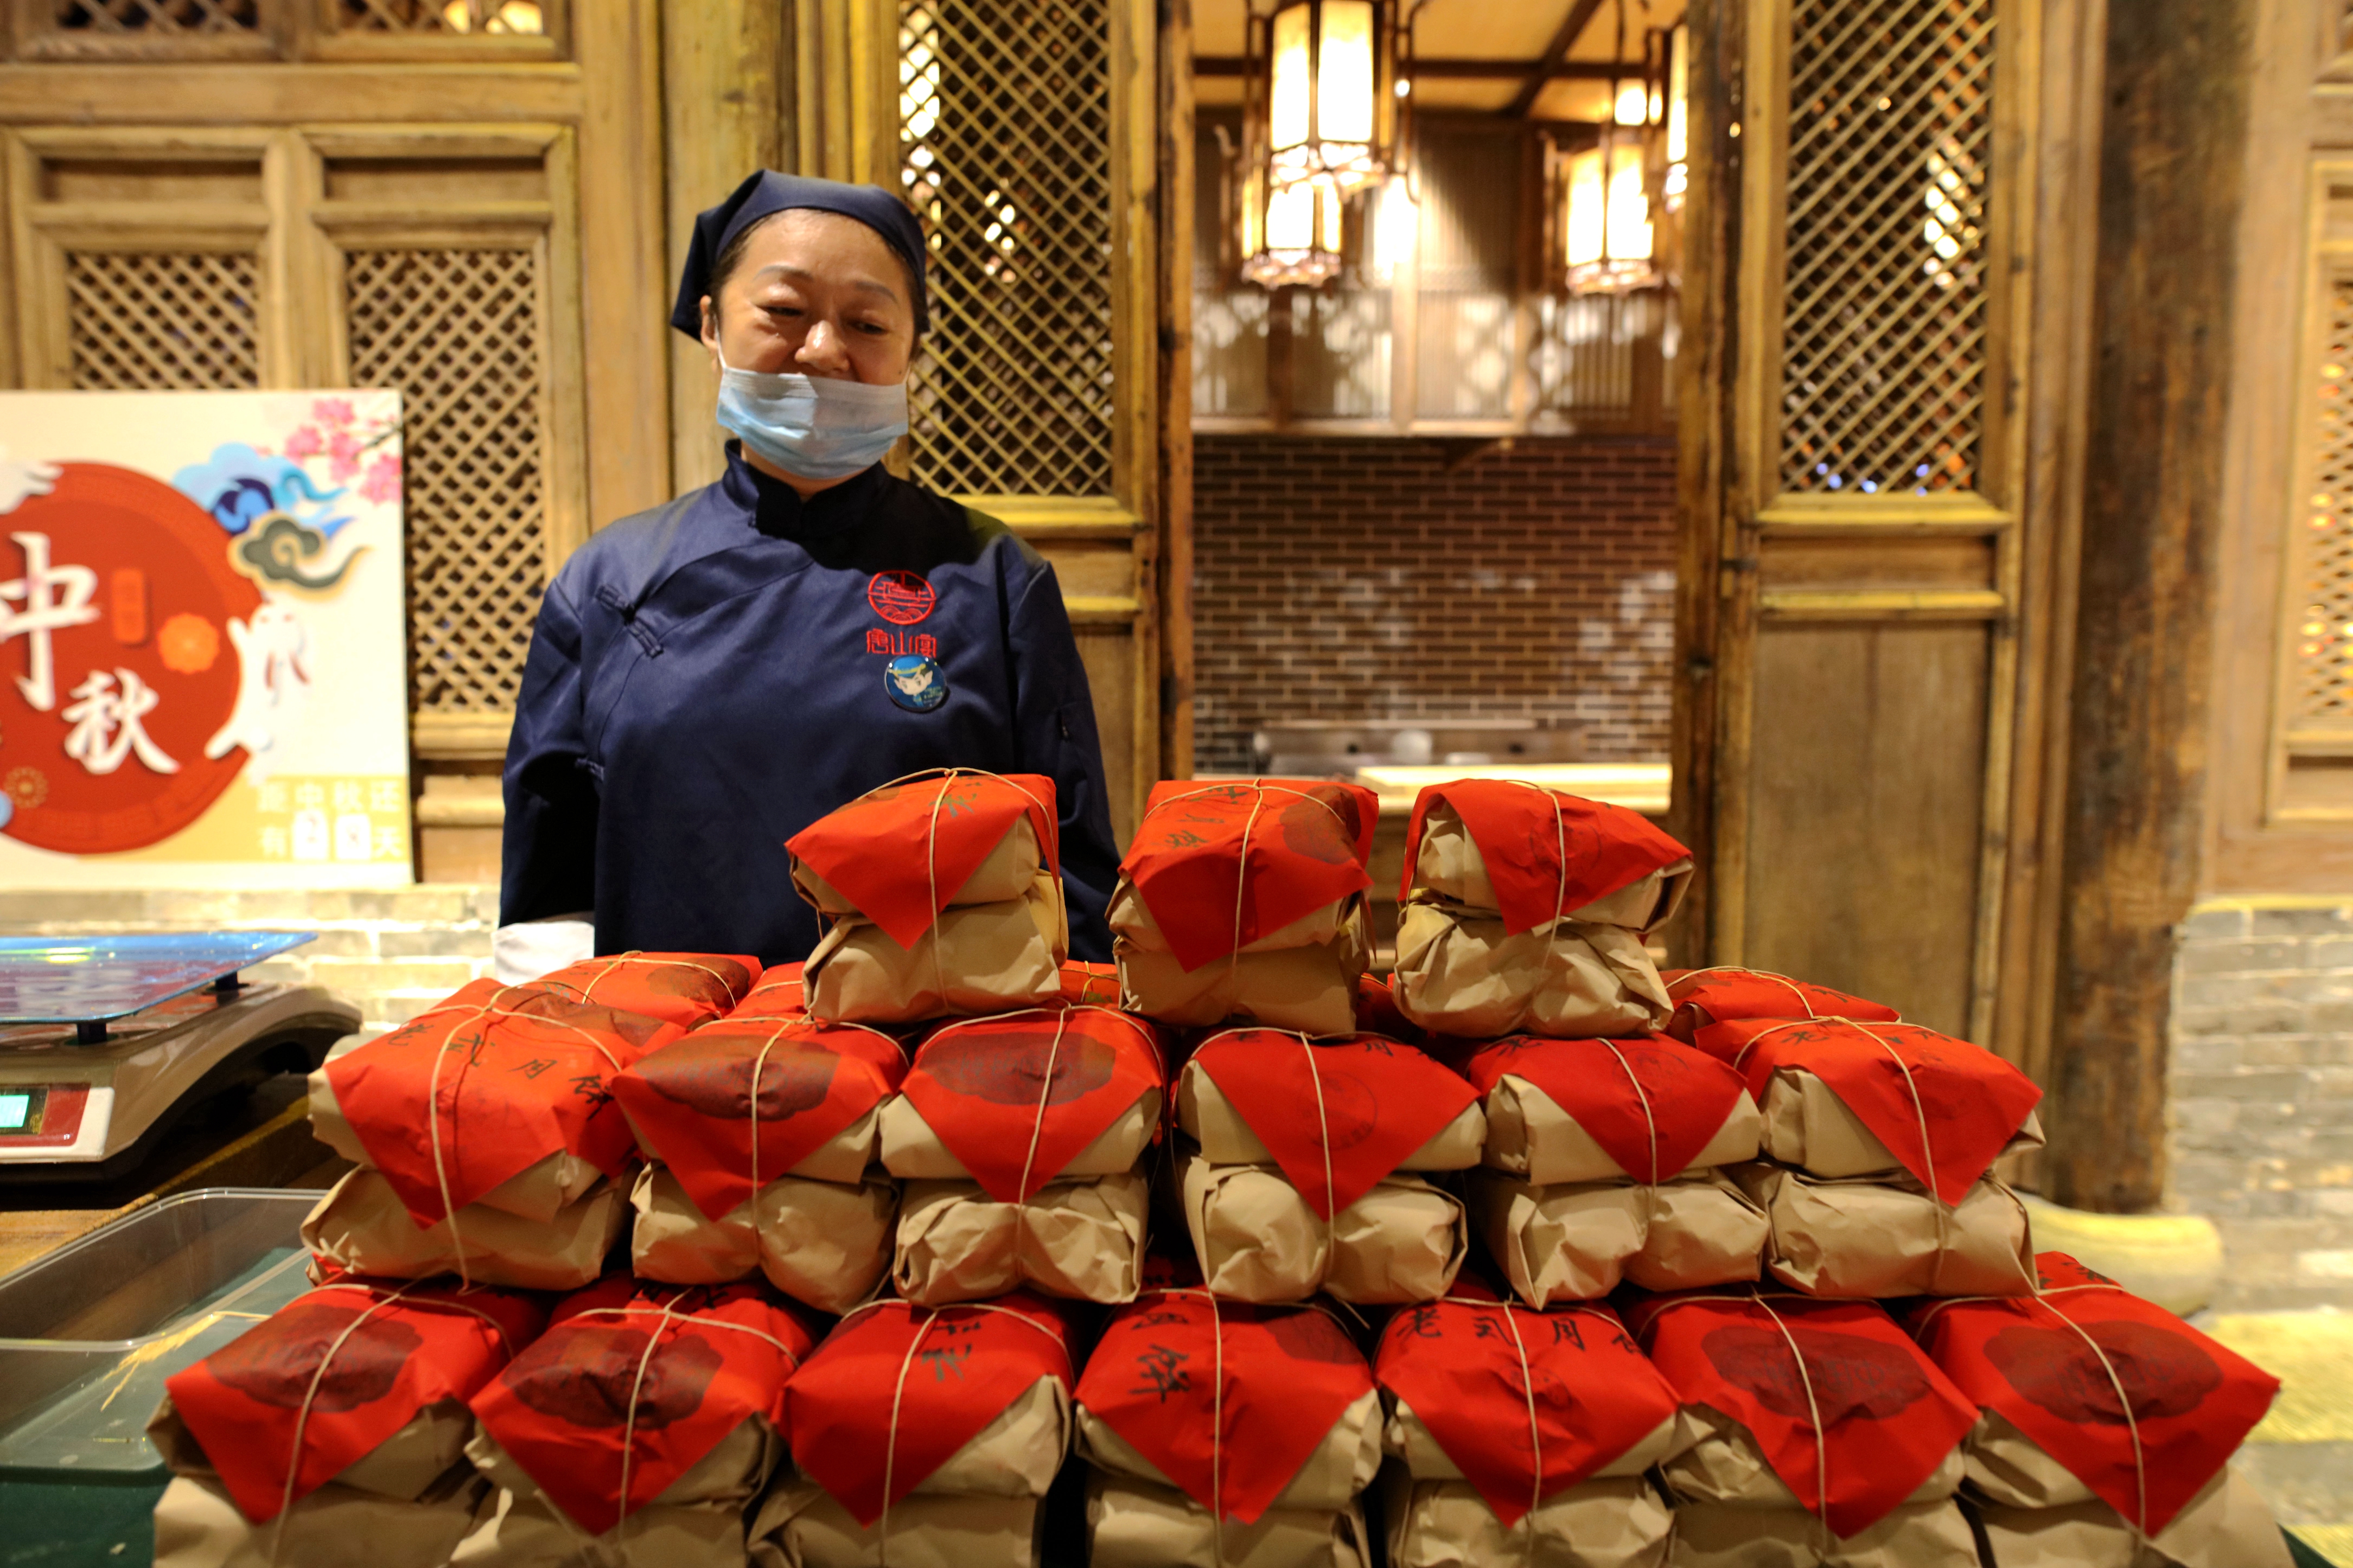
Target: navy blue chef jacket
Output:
[{"x": 707, "y": 679}]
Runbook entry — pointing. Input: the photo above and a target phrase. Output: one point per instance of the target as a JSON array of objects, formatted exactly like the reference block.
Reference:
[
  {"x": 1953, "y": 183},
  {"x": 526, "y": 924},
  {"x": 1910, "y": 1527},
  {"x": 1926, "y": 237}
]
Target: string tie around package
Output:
[
  {"x": 1795, "y": 989},
  {"x": 932, "y": 846},
  {"x": 898, "y": 1390},
  {"x": 1641, "y": 1096},
  {"x": 1920, "y": 1111},
  {"x": 1241, "y": 860},
  {"x": 637, "y": 955},
  {"x": 490, "y": 1009},
  {"x": 2138, "y": 1524},
  {"x": 319, "y": 1374},
  {"x": 759, "y": 1064},
  {"x": 1821, "y": 1509}
]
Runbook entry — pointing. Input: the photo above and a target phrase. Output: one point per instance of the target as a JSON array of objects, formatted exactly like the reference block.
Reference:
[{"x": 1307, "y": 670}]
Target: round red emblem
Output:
[
  {"x": 116, "y": 668},
  {"x": 902, "y": 598}
]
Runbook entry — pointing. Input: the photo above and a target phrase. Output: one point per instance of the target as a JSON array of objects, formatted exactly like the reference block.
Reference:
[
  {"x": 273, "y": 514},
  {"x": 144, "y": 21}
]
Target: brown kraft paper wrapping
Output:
[
  {"x": 1258, "y": 1239},
  {"x": 1006, "y": 872},
  {"x": 1576, "y": 1241},
  {"x": 1531, "y": 1136},
  {"x": 1135, "y": 1524},
  {"x": 360, "y": 1226},
  {"x": 1719, "y": 1462},
  {"x": 2228, "y": 1525},
  {"x": 1914, "y": 1535},
  {"x": 819, "y": 1242},
  {"x": 799, "y": 1525},
  {"x": 1887, "y": 1237},
  {"x": 403, "y": 1467},
  {"x": 1460, "y": 972},
  {"x": 1342, "y": 1464},
  {"x": 197, "y": 1526},
  {"x": 696, "y": 1522},
  {"x": 1558, "y": 855},
  {"x": 1205, "y": 1115},
  {"x": 1807, "y": 1125},
  {"x": 1080, "y": 1238},
  {"x": 913, "y": 1151},
  {"x": 1600, "y": 1524},
  {"x": 1407, "y": 1440},
  {"x": 974, "y": 958},
  {"x": 538, "y": 1194},
  {"x": 1311, "y": 987}
]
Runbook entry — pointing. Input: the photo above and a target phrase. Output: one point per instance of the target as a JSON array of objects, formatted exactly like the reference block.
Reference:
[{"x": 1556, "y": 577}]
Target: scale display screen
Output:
[
  {"x": 18, "y": 1110},
  {"x": 74, "y": 980}
]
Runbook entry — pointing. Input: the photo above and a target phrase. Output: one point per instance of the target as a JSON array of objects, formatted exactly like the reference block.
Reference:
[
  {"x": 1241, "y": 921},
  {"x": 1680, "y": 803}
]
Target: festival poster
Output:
[{"x": 202, "y": 653}]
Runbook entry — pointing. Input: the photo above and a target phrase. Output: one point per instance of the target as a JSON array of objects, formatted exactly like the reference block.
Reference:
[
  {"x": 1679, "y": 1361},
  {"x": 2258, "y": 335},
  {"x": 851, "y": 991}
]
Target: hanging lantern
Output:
[
  {"x": 1599, "y": 197},
  {"x": 1321, "y": 88},
  {"x": 1290, "y": 237}
]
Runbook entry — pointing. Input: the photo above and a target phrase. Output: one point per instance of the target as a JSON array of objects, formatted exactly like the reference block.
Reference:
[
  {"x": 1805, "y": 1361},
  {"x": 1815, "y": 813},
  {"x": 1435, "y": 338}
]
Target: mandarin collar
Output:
[{"x": 777, "y": 510}]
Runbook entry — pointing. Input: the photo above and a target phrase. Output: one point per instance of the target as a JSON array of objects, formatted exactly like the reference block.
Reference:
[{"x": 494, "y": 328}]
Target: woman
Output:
[{"x": 709, "y": 678}]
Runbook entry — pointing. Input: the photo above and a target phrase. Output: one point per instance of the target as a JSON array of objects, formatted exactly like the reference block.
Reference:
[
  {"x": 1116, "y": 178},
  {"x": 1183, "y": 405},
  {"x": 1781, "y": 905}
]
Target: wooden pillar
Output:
[
  {"x": 1174, "y": 285},
  {"x": 2173, "y": 149}
]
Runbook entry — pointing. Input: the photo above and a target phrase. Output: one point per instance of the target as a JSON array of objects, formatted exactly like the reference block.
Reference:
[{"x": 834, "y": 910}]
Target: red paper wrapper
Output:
[
  {"x": 389, "y": 1351},
  {"x": 1377, "y": 1011},
  {"x": 1088, "y": 985},
  {"x": 1227, "y": 1400},
  {"x": 1017, "y": 1098},
  {"x": 897, "y": 1389},
  {"x": 1521, "y": 830},
  {"x": 900, "y": 852},
  {"x": 487, "y": 1085},
  {"x": 2187, "y": 1402},
  {"x": 1459, "y": 1363},
  {"x": 779, "y": 995},
  {"x": 1852, "y": 1422},
  {"x": 640, "y": 1380},
  {"x": 689, "y": 989},
  {"x": 1704, "y": 996},
  {"x": 1895, "y": 1078},
  {"x": 693, "y": 1100},
  {"x": 1653, "y": 1105},
  {"x": 1337, "y": 1115},
  {"x": 1305, "y": 842}
]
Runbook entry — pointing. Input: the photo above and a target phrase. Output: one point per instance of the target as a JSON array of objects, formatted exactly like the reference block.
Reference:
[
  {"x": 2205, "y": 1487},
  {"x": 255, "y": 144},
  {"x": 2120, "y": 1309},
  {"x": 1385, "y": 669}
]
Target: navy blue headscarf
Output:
[{"x": 767, "y": 193}]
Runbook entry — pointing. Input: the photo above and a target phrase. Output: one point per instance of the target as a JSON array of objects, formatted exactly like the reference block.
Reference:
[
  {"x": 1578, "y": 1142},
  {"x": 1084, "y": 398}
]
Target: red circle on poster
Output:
[
  {"x": 902, "y": 598},
  {"x": 126, "y": 584}
]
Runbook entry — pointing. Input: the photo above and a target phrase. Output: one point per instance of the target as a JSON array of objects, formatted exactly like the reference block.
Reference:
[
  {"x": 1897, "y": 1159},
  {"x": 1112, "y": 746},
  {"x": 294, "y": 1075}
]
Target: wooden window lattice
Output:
[
  {"x": 2324, "y": 630},
  {"x": 1884, "y": 357},
  {"x": 158, "y": 320},
  {"x": 523, "y": 17},
  {"x": 1005, "y": 154},
  {"x": 458, "y": 331},
  {"x": 157, "y": 16}
]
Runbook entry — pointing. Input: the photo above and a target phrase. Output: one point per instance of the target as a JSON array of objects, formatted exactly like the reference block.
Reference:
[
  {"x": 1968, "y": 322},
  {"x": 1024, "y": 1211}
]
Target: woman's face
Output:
[{"x": 816, "y": 294}]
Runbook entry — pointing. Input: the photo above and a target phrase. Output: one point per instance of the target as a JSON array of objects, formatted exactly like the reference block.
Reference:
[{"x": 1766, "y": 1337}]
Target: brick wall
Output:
[
  {"x": 1348, "y": 578},
  {"x": 2261, "y": 1096},
  {"x": 393, "y": 951}
]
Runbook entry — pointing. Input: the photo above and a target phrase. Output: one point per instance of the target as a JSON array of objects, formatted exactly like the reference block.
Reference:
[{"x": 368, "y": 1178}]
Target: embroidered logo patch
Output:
[
  {"x": 915, "y": 683},
  {"x": 902, "y": 598}
]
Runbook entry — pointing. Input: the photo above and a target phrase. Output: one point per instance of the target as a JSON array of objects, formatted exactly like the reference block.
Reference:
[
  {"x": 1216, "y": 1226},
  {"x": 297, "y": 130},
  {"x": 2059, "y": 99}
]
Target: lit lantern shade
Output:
[
  {"x": 1291, "y": 235},
  {"x": 1678, "y": 173},
  {"x": 1325, "y": 72}
]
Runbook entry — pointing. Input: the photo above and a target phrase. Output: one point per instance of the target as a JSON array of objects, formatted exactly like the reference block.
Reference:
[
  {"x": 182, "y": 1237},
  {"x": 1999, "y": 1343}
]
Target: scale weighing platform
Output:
[{"x": 107, "y": 1041}]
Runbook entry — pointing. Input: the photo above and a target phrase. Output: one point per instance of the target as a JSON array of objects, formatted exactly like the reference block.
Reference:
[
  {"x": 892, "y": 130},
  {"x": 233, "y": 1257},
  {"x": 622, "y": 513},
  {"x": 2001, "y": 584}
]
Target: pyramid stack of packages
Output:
[
  {"x": 1820, "y": 1435},
  {"x": 1604, "y": 1162},
  {"x": 1246, "y": 902},
  {"x": 340, "y": 1418},
  {"x": 1522, "y": 1437},
  {"x": 1523, "y": 911},
  {"x": 2106, "y": 1428},
  {"x": 923, "y": 1437},
  {"x": 1880, "y": 1140},
  {"x": 637, "y": 1430},
  {"x": 944, "y": 895},
  {"x": 1221, "y": 1435},
  {"x": 487, "y": 1138},
  {"x": 1307, "y": 1166},
  {"x": 1021, "y": 1140},
  {"x": 762, "y": 1131}
]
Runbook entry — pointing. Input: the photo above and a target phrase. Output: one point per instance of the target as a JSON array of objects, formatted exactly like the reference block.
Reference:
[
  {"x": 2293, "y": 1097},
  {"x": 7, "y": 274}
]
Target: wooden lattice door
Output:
[
  {"x": 1861, "y": 540},
  {"x": 1024, "y": 135}
]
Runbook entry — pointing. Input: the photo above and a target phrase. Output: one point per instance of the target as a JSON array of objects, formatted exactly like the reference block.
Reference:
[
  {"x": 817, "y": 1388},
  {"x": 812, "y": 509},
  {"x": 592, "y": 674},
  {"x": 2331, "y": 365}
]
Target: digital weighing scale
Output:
[{"x": 107, "y": 1041}]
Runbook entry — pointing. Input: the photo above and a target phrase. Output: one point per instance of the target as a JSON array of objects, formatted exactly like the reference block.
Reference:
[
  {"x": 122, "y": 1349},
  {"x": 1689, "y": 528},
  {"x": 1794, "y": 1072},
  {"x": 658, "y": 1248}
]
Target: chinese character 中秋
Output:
[
  {"x": 45, "y": 611},
  {"x": 109, "y": 725}
]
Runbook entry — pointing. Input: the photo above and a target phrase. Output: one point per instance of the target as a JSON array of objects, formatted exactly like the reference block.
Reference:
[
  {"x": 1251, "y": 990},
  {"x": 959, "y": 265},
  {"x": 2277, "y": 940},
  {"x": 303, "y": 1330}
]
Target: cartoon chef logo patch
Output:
[{"x": 915, "y": 683}]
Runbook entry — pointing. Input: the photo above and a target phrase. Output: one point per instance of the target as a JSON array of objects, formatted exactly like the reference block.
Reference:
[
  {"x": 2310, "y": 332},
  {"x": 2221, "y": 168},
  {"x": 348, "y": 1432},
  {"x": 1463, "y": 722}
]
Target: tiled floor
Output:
[{"x": 2302, "y": 1454}]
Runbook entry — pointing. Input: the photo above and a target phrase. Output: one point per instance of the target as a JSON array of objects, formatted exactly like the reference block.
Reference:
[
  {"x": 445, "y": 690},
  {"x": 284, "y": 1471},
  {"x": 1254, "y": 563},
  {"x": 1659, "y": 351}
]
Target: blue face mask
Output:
[{"x": 814, "y": 426}]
